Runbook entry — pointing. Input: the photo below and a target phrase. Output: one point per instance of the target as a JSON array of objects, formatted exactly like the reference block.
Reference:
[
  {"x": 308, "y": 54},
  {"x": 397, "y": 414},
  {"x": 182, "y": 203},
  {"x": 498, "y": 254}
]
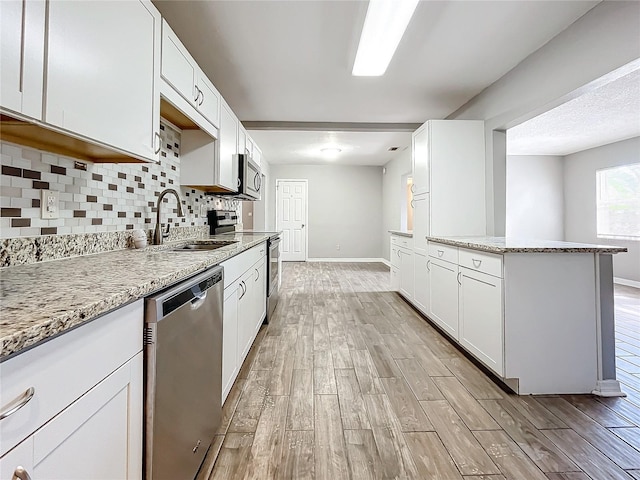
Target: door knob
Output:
[{"x": 303, "y": 225}]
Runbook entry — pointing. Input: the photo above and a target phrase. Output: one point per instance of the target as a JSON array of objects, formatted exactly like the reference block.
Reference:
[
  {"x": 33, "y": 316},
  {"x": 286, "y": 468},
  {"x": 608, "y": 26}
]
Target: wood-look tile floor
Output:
[{"x": 348, "y": 382}]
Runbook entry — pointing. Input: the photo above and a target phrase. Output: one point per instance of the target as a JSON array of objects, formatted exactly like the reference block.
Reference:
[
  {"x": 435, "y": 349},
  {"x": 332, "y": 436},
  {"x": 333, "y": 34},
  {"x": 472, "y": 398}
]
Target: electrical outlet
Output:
[{"x": 49, "y": 204}]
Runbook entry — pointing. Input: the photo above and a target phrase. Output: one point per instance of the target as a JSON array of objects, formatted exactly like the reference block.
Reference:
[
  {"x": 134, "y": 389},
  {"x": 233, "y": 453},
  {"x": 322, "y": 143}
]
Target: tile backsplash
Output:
[{"x": 102, "y": 198}]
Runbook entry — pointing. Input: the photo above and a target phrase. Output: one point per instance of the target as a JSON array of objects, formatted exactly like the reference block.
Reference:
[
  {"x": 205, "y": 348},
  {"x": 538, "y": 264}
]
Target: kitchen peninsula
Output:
[{"x": 538, "y": 314}]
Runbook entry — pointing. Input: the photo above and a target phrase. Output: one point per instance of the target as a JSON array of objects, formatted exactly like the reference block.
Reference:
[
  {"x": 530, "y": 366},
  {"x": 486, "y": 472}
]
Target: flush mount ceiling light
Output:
[
  {"x": 383, "y": 28},
  {"x": 331, "y": 151}
]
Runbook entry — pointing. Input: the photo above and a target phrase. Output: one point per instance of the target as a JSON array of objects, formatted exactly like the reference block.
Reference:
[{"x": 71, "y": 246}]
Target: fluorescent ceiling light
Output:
[{"x": 384, "y": 26}]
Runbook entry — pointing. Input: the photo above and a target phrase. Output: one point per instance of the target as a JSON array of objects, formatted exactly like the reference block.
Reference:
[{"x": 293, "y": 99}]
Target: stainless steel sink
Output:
[{"x": 201, "y": 246}]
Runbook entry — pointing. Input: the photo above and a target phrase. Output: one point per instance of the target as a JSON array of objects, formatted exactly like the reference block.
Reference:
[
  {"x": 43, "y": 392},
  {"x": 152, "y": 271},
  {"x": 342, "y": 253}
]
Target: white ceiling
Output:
[
  {"x": 291, "y": 61},
  {"x": 604, "y": 115},
  {"x": 303, "y": 147}
]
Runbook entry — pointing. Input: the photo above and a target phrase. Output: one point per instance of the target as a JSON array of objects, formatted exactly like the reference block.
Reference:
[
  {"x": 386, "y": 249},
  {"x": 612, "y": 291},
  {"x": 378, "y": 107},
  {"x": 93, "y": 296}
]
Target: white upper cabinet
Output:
[
  {"x": 178, "y": 67},
  {"x": 22, "y": 56},
  {"x": 182, "y": 72},
  {"x": 257, "y": 154},
  {"x": 242, "y": 139},
  {"x": 449, "y": 166},
  {"x": 228, "y": 173},
  {"x": 102, "y": 73},
  {"x": 420, "y": 160}
]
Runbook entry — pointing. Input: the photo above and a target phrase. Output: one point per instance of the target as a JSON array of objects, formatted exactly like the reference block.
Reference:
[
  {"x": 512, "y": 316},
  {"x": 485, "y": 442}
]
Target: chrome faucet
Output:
[{"x": 159, "y": 235}]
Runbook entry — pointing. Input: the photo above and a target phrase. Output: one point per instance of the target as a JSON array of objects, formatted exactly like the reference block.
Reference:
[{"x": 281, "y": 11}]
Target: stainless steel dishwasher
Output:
[{"x": 183, "y": 368}]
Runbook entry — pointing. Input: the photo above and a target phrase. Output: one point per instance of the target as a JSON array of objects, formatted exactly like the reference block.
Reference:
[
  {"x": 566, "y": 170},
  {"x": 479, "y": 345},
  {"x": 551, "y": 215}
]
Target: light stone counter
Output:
[
  {"x": 402, "y": 233},
  {"x": 41, "y": 300},
  {"x": 515, "y": 245}
]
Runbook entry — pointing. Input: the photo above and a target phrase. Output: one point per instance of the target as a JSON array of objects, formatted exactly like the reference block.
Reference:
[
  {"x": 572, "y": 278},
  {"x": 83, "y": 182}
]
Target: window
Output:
[{"x": 618, "y": 200}]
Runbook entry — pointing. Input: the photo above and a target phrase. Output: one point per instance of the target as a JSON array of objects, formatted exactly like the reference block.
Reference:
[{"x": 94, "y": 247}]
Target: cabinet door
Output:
[
  {"x": 259, "y": 295},
  {"x": 102, "y": 73},
  {"x": 245, "y": 315},
  {"x": 99, "y": 436},
  {"x": 480, "y": 308},
  {"x": 420, "y": 160},
  {"x": 394, "y": 256},
  {"x": 228, "y": 147},
  {"x": 178, "y": 67},
  {"x": 208, "y": 99},
  {"x": 406, "y": 273},
  {"x": 18, "y": 459},
  {"x": 22, "y": 56},
  {"x": 395, "y": 279},
  {"x": 421, "y": 284},
  {"x": 257, "y": 155},
  {"x": 230, "y": 361},
  {"x": 443, "y": 295},
  {"x": 420, "y": 223},
  {"x": 242, "y": 139}
]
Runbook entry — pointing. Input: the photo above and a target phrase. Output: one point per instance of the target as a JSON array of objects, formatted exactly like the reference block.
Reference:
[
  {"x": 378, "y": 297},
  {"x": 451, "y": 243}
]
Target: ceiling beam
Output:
[{"x": 332, "y": 126}]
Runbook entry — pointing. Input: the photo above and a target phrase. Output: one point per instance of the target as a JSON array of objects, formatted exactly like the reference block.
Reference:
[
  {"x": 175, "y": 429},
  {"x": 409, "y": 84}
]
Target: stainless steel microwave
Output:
[{"x": 249, "y": 178}]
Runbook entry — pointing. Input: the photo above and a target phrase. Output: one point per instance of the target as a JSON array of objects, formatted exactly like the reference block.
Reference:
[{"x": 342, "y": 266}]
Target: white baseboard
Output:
[
  {"x": 624, "y": 281},
  {"x": 386, "y": 262},
  {"x": 349, "y": 260}
]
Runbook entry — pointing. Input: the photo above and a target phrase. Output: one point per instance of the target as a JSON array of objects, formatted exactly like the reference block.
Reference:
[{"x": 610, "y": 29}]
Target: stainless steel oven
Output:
[{"x": 273, "y": 274}]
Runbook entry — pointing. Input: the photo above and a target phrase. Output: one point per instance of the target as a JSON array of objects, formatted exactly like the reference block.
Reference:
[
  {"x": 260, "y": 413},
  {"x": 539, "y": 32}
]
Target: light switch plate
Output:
[{"x": 49, "y": 204}]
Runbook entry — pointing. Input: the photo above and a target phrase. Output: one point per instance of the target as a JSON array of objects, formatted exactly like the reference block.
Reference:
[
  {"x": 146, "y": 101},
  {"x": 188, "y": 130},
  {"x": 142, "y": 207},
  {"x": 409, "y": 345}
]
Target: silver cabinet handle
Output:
[
  {"x": 20, "y": 474},
  {"x": 18, "y": 403},
  {"x": 428, "y": 262},
  {"x": 257, "y": 274},
  {"x": 159, "y": 147},
  {"x": 244, "y": 289},
  {"x": 440, "y": 253},
  {"x": 477, "y": 265},
  {"x": 197, "y": 93},
  {"x": 413, "y": 187},
  {"x": 202, "y": 99},
  {"x": 398, "y": 252},
  {"x": 413, "y": 204},
  {"x": 459, "y": 282}
]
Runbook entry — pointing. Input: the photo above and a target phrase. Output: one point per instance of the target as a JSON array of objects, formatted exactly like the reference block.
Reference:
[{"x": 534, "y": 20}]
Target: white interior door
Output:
[{"x": 291, "y": 218}]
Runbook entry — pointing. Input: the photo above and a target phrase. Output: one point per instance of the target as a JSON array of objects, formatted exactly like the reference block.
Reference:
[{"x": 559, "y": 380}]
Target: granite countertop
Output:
[
  {"x": 402, "y": 233},
  {"x": 515, "y": 245},
  {"x": 40, "y": 300}
]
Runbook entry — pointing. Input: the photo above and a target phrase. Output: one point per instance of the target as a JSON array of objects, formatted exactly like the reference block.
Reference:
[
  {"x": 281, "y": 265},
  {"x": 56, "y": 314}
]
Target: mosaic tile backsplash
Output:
[{"x": 104, "y": 198}]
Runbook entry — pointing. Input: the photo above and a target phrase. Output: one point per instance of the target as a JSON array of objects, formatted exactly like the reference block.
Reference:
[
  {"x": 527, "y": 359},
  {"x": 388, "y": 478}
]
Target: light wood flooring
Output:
[{"x": 348, "y": 382}]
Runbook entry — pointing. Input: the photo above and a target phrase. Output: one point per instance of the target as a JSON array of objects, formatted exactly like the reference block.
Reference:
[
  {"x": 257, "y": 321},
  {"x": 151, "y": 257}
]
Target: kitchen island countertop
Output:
[
  {"x": 402, "y": 233},
  {"x": 41, "y": 300},
  {"x": 516, "y": 245}
]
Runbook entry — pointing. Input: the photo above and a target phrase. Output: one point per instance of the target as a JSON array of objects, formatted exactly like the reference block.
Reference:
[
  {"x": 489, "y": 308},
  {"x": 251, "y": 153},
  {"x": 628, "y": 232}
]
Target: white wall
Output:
[
  {"x": 345, "y": 204},
  {"x": 580, "y": 200},
  {"x": 535, "y": 197},
  {"x": 392, "y": 196},
  {"x": 603, "y": 40}
]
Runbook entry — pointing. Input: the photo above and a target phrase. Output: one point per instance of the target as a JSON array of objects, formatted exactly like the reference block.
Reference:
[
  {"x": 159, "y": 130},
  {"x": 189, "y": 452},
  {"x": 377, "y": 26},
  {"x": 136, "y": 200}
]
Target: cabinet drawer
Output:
[
  {"x": 236, "y": 266},
  {"x": 405, "y": 242},
  {"x": 443, "y": 252},
  {"x": 64, "y": 368},
  {"x": 481, "y": 262}
]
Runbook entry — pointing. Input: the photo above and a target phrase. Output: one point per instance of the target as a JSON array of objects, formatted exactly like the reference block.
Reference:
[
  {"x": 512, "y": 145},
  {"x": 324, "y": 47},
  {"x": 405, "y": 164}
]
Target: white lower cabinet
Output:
[
  {"x": 244, "y": 310},
  {"x": 421, "y": 283},
  {"x": 406, "y": 272},
  {"x": 98, "y": 435},
  {"x": 480, "y": 317},
  {"x": 395, "y": 278},
  {"x": 443, "y": 295},
  {"x": 230, "y": 366}
]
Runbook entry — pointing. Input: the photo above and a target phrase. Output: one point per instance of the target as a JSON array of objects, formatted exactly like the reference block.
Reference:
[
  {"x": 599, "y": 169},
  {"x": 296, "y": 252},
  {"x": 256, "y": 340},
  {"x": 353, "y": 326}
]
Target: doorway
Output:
[{"x": 291, "y": 219}]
